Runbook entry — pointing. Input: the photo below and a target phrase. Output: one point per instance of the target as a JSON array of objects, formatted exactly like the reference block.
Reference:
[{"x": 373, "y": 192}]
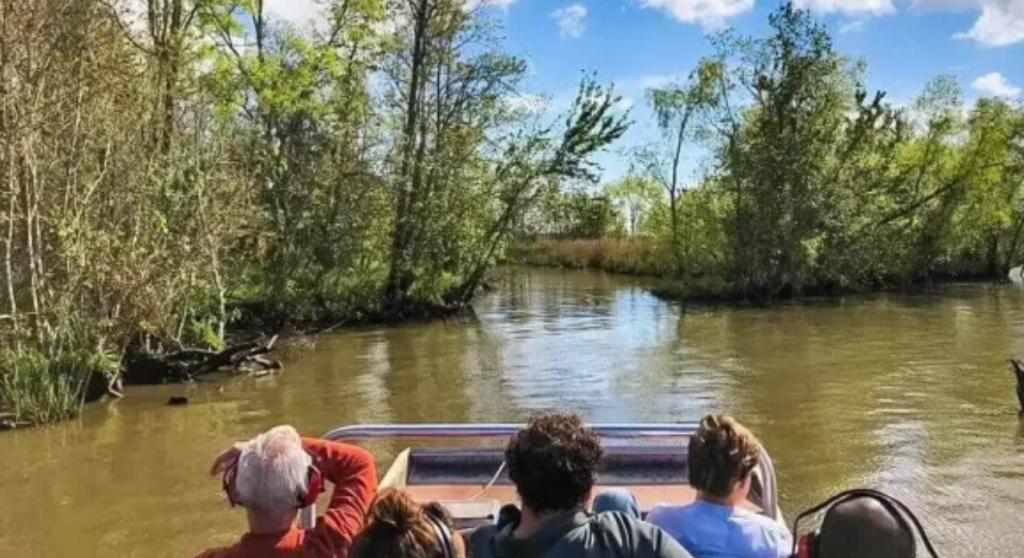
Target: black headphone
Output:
[
  {"x": 806, "y": 546},
  {"x": 444, "y": 533}
]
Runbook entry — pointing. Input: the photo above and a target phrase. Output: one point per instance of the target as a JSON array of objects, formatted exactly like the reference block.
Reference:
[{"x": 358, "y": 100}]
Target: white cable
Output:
[{"x": 491, "y": 482}]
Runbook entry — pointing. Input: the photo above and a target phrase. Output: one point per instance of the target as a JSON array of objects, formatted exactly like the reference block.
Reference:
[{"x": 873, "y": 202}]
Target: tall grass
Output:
[
  {"x": 633, "y": 256},
  {"x": 37, "y": 388},
  {"x": 689, "y": 281}
]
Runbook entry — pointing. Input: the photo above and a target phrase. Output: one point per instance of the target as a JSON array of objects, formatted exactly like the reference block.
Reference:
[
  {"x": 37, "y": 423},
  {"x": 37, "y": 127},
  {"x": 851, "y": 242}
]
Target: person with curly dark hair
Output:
[
  {"x": 722, "y": 455},
  {"x": 553, "y": 463}
]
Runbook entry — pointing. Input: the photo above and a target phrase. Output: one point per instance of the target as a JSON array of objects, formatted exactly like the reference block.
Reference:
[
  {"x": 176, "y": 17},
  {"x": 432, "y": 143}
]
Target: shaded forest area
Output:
[
  {"x": 173, "y": 168},
  {"x": 808, "y": 182}
]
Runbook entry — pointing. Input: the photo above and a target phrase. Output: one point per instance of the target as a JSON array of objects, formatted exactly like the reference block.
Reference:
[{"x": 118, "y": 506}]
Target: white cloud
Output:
[
  {"x": 298, "y": 12},
  {"x": 572, "y": 20},
  {"x": 850, "y": 7},
  {"x": 710, "y": 14},
  {"x": 1001, "y": 23},
  {"x": 994, "y": 84},
  {"x": 851, "y": 26},
  {"x": 528, "y": 103}
]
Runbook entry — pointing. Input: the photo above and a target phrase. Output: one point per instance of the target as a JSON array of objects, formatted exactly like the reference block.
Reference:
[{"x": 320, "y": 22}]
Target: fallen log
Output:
[
  {"x": 8, "y": 424},
  {"x": 188, "y": 364},
  {"x": 100, "y": 385},
  {"x": 265, "y": 362}
]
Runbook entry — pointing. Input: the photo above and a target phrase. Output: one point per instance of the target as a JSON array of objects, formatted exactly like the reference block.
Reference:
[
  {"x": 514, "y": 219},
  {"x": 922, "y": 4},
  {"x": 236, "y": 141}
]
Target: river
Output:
[{"x": 907, "y": 393}]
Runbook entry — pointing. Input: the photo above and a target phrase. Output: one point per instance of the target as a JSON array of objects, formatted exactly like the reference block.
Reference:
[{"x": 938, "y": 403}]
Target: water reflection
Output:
[{"x": 906, "y": 393}]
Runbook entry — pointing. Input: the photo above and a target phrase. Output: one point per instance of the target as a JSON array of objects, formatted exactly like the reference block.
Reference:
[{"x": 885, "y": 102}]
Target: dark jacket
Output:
[{"x": 578, "y": 535}]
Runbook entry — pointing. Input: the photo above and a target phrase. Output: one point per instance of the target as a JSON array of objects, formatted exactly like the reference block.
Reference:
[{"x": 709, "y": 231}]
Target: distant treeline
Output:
[{"x": 812, "y": 183}]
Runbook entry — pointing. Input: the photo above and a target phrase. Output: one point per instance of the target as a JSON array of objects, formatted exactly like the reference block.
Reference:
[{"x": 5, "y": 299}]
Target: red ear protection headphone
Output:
[
  {"x": 806, "y": 545},
  {"x": 304, "y": 499}
]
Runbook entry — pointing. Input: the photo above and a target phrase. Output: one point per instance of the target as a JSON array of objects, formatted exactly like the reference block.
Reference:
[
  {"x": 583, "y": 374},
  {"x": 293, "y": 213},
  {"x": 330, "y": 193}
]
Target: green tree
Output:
[
  {"x": 676, "y": 107},
  {"x": 634, "y": 196},
  {"x": 776, "y": 153},
  {"x": 464, "y": 174}
]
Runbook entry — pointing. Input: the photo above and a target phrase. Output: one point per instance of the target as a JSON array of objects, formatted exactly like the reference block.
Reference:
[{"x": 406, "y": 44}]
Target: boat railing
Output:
[
  {"x": 370, "y": 431},
  {"x": 769, "y": 492}
]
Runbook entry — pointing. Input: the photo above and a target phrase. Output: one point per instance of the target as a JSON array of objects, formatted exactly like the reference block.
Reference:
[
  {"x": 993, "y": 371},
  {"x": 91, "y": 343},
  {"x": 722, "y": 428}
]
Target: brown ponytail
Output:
[
  {"x": 721, "y": 452},
  {"x": 397, "y": 527}
]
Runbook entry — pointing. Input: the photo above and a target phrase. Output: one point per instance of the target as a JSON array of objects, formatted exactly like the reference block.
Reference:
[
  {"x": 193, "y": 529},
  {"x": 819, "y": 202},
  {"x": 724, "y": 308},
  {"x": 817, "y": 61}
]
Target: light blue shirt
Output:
[{"x": 710, "y": 530}]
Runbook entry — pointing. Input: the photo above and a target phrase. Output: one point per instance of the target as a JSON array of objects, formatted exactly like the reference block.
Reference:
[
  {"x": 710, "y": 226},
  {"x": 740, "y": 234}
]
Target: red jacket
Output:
[{"x": 351, "y": 470}]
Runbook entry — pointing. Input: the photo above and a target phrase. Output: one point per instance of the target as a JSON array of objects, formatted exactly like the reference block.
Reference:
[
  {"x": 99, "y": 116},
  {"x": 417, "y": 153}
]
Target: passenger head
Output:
[
  {"x": 553, "y": 463},
  {"x": 721, "y": 455},
  {"x": 271, "y": 475},
  {"x": 863, "y": 527},
  {"x": 398, "y": 527}
]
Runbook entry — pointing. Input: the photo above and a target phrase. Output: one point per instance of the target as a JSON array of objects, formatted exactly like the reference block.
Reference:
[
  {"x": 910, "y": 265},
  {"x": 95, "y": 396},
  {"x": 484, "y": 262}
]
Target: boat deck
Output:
[
  {"x": 472, "y": 482},
  {"x": 655, "y": 474}
]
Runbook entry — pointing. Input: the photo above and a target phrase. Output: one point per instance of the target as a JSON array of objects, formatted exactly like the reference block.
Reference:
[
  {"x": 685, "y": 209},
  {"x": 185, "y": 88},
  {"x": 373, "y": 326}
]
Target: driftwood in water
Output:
[
  {"x": 188, "y": 364},
  {"x": 100, "y": 385},
  {"x": 8, "y": 421},
  {"x": 1018, "y": 370}
]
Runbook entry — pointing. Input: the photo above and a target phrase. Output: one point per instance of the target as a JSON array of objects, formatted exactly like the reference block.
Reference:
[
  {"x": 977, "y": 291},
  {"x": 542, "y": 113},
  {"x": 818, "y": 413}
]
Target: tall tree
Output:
[{"x": 676, "y": 108}]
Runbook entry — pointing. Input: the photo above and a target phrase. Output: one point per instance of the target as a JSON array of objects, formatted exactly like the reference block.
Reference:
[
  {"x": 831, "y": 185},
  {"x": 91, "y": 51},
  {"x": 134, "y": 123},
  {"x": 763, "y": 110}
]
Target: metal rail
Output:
[
  {"x": 623, "y": 431},
  {"x": 370, "y": 431}
]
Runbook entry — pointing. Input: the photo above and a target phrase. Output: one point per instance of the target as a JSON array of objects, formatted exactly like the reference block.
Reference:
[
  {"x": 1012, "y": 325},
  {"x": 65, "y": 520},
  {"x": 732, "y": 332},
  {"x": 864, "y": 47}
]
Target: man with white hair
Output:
[{"x": 276, "y": 474}]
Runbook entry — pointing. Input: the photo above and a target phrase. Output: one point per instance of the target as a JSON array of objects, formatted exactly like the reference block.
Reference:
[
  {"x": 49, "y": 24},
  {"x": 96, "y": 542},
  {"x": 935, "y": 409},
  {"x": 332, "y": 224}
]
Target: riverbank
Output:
[
  {"x": 37, "y": 387},
  {"x": 643, "y": 257}
]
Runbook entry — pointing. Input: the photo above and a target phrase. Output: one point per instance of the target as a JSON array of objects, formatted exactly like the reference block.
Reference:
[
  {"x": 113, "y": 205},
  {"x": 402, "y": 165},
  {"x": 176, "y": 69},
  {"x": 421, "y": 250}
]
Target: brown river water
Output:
[{"x": 908, "y": 393}]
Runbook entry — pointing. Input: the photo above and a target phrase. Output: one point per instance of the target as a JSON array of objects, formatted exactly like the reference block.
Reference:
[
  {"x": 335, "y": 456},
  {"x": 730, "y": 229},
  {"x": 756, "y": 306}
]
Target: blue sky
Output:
[{"x": 639, "y": 43}]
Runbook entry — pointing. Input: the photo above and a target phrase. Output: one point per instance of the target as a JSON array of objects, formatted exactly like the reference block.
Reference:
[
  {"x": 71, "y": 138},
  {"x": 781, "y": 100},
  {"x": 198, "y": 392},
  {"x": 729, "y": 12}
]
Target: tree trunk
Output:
[
  {"x": 673, "y": 192},
  {"x": 1011, "y": 251},
  {"x": 398, "y": 275},
  {"x": 992, "y": 263}
]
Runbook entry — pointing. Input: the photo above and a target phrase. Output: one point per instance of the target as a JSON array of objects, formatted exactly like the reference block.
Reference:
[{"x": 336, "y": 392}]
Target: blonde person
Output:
[{"x": 722, "y": 455}]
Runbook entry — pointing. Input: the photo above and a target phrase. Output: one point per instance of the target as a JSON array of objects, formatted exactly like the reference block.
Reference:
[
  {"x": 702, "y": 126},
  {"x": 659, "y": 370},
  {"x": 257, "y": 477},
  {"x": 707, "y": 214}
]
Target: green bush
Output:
[{"x": 38, "y": 388}]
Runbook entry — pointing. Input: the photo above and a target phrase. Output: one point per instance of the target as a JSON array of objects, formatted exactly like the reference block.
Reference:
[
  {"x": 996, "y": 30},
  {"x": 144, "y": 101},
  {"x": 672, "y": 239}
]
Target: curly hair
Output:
[
  {"x": 553, "y": 462},
  {"x": 397, "y": 527},
  {"x": 721, "y": 453}
]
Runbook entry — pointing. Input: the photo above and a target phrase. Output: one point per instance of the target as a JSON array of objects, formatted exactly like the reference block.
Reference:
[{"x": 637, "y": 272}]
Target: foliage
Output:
[
  {"x": 812, "y": 183},
  {"x": 169, "y": 167},
  {"x": 635, "y": 197},
  {"x": 572, "y": 214}
]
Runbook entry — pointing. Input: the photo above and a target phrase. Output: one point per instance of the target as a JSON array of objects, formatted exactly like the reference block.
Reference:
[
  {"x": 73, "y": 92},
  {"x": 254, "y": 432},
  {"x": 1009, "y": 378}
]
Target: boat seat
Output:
[
  {"x": 468, "y": 514},
  {"x": 622, "y": 466},
  {"x": 652, "y": 473}
]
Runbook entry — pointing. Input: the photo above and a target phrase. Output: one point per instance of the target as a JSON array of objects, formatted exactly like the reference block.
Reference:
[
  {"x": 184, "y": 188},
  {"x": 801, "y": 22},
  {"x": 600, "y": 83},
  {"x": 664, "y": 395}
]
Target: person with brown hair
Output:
[
  {"x": 553, "y": 463},
  {"x": 399, "y": 527},
  {"x": 722, "y": 455}
]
